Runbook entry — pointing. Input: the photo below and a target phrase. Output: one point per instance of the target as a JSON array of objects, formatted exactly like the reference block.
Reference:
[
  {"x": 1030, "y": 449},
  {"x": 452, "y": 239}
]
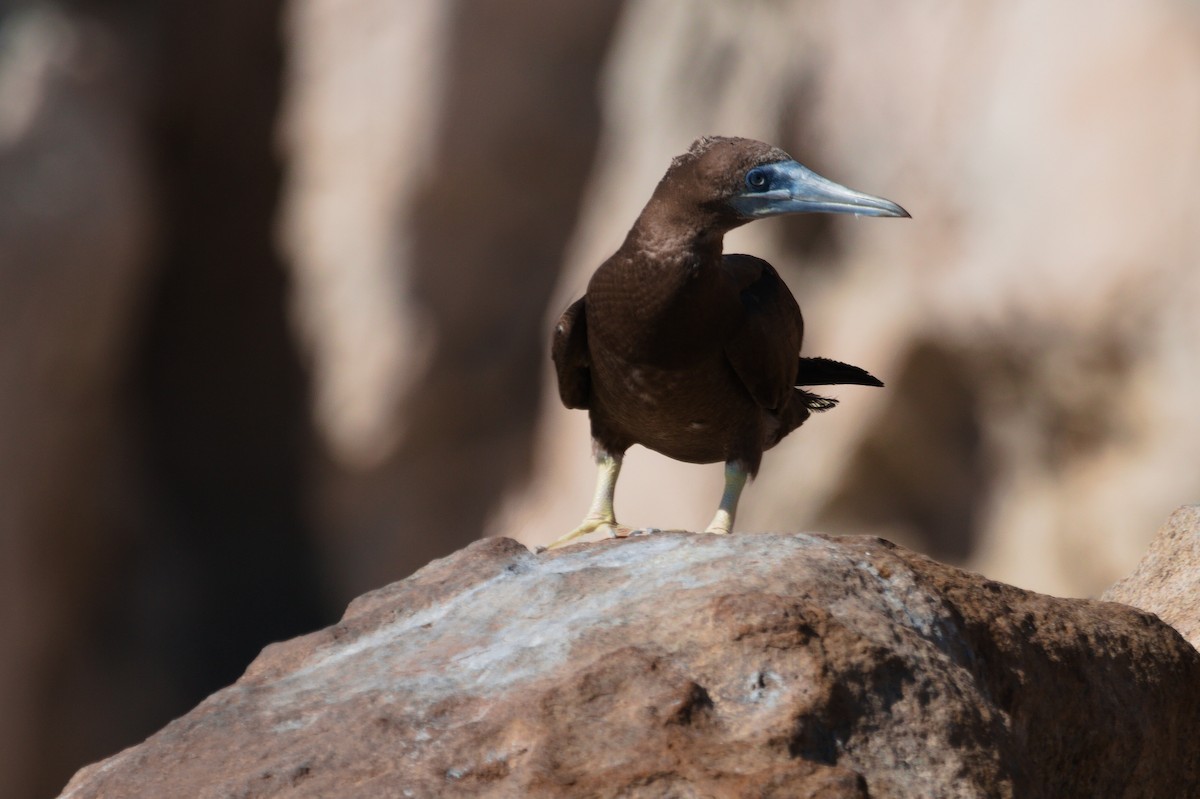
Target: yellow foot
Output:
[
  {"x": 735, "y": 481},
  {"x": 722, "y": 523},
  {"x": 590, "y": 525}
]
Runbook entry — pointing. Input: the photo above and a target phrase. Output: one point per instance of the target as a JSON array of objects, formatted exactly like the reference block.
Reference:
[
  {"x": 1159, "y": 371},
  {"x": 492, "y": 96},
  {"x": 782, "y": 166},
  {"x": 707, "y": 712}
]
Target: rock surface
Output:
[
  {"x": 679, "y": 665},
  {"x": 1167, "y": 581}
]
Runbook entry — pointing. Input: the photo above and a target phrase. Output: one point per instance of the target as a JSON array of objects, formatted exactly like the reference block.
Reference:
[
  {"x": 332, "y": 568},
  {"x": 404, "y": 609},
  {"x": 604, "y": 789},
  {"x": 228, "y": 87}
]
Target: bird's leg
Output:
[
  {"x": 735, "y": 481},
  {"x": 608, "y": 467}
]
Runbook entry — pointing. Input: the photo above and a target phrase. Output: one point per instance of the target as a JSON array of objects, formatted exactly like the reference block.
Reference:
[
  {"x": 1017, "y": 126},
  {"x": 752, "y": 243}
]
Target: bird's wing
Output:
[
  {"x": 569, "y": 349},
  {"x": 763, "y": 349}
]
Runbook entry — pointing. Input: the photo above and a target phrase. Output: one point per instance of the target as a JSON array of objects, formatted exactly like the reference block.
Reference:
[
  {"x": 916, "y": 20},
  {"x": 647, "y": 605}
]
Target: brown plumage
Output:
[{"x": 690, "y": 352}]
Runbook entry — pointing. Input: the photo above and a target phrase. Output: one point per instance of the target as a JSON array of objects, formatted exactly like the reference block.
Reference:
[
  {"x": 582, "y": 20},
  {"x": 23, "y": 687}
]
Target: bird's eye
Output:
[{"x": 756, "y": 179}]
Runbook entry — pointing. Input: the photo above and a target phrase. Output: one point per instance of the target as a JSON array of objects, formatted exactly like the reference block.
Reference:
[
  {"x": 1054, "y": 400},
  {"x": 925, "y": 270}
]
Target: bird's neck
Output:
[
  {"x": 666, "y": 238},
  {"x": 656, "y": 297}
]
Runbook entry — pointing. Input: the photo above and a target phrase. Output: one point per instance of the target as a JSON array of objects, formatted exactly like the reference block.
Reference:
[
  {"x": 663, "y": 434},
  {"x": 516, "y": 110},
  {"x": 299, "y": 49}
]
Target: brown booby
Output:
[{"x": 690, "y": 352}]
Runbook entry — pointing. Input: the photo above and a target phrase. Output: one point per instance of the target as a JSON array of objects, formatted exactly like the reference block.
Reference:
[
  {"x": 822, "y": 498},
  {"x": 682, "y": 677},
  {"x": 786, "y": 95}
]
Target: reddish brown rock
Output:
[
  {"x": 680, "y": 665},
  {"x": 1167, "y": 581}
]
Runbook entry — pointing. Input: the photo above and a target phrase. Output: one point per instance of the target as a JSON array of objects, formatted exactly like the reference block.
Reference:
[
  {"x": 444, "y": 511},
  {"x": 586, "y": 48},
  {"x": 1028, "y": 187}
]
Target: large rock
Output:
[{"x": 688, "y": 665}]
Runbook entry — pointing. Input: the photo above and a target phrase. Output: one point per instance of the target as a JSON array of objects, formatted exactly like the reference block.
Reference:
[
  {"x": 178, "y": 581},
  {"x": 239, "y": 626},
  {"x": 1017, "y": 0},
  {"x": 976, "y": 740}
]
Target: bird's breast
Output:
[
  {"x": 670, "y": 314},
  {"x": 694, "y": 414}
]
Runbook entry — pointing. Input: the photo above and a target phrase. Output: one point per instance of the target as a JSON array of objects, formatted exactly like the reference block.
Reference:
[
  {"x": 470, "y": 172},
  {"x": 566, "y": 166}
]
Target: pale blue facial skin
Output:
[{"x": 787, "y": 187}]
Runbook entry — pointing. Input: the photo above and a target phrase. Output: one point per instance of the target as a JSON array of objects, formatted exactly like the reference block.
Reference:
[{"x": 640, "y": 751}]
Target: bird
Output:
[{"x": 691, "y": 352}]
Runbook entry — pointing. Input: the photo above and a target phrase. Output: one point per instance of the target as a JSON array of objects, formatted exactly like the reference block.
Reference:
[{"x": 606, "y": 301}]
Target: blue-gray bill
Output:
[{"x": 788, "y": 187}]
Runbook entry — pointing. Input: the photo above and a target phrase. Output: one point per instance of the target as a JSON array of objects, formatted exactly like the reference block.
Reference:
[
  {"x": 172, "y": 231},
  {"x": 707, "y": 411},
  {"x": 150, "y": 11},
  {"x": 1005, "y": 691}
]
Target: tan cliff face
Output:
[
  {"x": 752, "y": 665},
  {"x": 1033, "y": 323}
]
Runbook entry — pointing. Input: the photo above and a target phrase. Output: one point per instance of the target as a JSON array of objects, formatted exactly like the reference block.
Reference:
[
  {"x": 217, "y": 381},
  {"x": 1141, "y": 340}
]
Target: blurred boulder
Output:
[{"x": 1167, "y": 581}]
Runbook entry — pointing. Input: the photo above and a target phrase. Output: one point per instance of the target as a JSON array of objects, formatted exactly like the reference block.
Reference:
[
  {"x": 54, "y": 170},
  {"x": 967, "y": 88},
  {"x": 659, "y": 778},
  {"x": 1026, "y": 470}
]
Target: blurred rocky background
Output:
[{"x": 277, "y": 276}]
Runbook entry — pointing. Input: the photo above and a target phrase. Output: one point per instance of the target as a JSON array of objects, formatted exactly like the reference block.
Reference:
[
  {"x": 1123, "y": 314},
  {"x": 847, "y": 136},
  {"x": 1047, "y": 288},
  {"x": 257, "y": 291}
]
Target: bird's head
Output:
[{"x": 735, "y": 181}]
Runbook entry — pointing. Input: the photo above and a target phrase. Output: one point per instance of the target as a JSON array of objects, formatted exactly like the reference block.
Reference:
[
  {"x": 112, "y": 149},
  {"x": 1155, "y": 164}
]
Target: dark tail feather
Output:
[
  {"x": 826, "y": 372},
  {"x": 815, "y": 402}
]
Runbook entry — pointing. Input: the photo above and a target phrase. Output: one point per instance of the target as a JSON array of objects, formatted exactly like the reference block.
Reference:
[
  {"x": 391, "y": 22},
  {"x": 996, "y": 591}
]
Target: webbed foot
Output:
[{"x": 590, "y": 525}]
